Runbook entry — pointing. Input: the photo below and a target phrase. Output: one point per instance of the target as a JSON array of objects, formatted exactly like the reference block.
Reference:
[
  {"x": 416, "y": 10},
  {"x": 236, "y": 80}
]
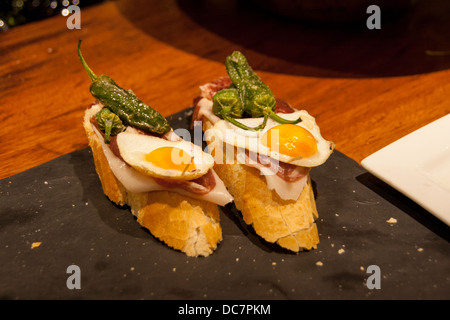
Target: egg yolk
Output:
[
  {"x": 291, "y": 140},
  {"x": 171, "y": 158}
]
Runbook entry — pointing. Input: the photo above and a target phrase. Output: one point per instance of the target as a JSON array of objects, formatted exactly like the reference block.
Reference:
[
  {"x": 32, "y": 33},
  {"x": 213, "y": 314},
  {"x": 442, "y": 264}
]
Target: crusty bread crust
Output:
[
  {"x": 290, "y": 224},
  {"x": 112, "y": 187},
  {"x": 189, "y": 225}
]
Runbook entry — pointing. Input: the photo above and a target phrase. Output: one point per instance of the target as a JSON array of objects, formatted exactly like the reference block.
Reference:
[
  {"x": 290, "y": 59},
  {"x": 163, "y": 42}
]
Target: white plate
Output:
[{"x": 418, "y": 165}]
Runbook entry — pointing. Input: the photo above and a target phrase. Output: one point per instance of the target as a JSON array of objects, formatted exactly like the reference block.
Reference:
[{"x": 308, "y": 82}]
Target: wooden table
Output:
[{"x": 366, "y": 88}]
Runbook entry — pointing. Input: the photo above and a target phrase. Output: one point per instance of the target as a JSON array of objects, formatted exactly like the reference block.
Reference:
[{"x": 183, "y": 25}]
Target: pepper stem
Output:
[
  {"x": 278, "y": 119},
  {"x": 108, "y": 127},
  {"x": 243, "y": 126},
  {"x": 90, "y": 73}
]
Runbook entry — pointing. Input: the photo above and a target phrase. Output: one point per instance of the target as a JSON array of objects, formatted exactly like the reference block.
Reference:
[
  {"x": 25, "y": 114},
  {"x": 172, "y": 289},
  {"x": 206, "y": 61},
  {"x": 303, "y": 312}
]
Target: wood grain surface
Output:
[{"x": 366, "y": 88}]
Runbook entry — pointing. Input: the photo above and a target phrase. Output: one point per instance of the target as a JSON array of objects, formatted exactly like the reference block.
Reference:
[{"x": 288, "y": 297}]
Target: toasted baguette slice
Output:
[
  {"x": 290, "y": 224},
  {"x": 189, "y": 225}
]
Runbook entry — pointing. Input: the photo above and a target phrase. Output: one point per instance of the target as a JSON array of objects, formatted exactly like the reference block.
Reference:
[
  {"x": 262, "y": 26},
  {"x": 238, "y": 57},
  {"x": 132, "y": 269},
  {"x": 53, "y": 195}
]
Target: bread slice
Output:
[
  {"x": 289, "y": 223},
  {"x": 183, "y": 223}
]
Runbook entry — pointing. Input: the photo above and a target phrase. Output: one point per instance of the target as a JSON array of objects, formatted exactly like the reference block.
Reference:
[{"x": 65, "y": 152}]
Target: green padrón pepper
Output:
[
  {"x": 227, "y": 105},
  {"x": 109, "y": 123},
  {"x": 124, "y": 103},
  {"x": 256, "y": 97}
]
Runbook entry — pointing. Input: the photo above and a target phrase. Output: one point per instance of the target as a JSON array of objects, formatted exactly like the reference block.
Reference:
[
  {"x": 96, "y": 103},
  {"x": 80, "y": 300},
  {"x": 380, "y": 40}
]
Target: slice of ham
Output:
[
  {"x": 285, "y": 171},
  {"x": 210, "y": 89},
  {"x": 287, "y": 190},
  {"x": 202, "y": 185},
  {"x": 283, "y": 107}
]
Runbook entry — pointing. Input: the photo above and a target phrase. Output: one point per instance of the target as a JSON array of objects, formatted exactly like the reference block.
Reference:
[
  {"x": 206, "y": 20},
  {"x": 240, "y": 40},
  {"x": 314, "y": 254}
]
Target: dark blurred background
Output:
[
  {"x": 320, "y": 38},
  {"x": 17, "y": 12}
]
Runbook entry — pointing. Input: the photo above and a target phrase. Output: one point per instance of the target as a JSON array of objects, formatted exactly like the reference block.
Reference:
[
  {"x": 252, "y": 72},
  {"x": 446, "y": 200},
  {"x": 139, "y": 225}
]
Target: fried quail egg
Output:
[
  {"x": 299, "y": 144},
  {"x": 160, "y": 158}
]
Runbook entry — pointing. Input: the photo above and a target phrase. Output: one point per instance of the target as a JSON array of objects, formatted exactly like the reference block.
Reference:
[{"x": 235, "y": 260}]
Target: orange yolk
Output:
[
  {"x": 291, "y": 140},
  {"x": 171, "y": 158}
]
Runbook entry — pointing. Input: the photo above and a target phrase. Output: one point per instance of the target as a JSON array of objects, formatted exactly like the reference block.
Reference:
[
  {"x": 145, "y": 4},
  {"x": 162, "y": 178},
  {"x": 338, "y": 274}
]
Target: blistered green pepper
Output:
[
  {"x": 257, "y": 98},
  {"x": 124, "y": 103},
  {"x": 227, "y": 105},
  {"x": 109, "y": 123}
]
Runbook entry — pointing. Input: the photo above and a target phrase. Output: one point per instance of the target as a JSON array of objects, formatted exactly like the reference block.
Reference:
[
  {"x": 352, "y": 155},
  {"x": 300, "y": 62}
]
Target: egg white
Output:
[
  {"x": 134, "y": 147},
  {"x": 250, "y": 140}
]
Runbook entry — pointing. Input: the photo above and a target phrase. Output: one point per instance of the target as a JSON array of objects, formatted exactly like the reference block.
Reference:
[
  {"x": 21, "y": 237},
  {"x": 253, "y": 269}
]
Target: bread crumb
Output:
[
  {"x": 174, "y": 269},
  {"x": 420, "y": 249},
  {"x": 341, "y": 251},
  {"x": 237, "y": 259},
  {"x": 274, "y": 263},
  {"x": 35, "y": 245},
  {"x": 319, "y": 263},
  {"x": 391, "y": 220}
]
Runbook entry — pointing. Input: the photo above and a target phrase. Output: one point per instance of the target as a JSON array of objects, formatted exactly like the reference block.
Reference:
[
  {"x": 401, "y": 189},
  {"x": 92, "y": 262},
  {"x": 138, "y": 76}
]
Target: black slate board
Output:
[{"x": 61, "y": 205}]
